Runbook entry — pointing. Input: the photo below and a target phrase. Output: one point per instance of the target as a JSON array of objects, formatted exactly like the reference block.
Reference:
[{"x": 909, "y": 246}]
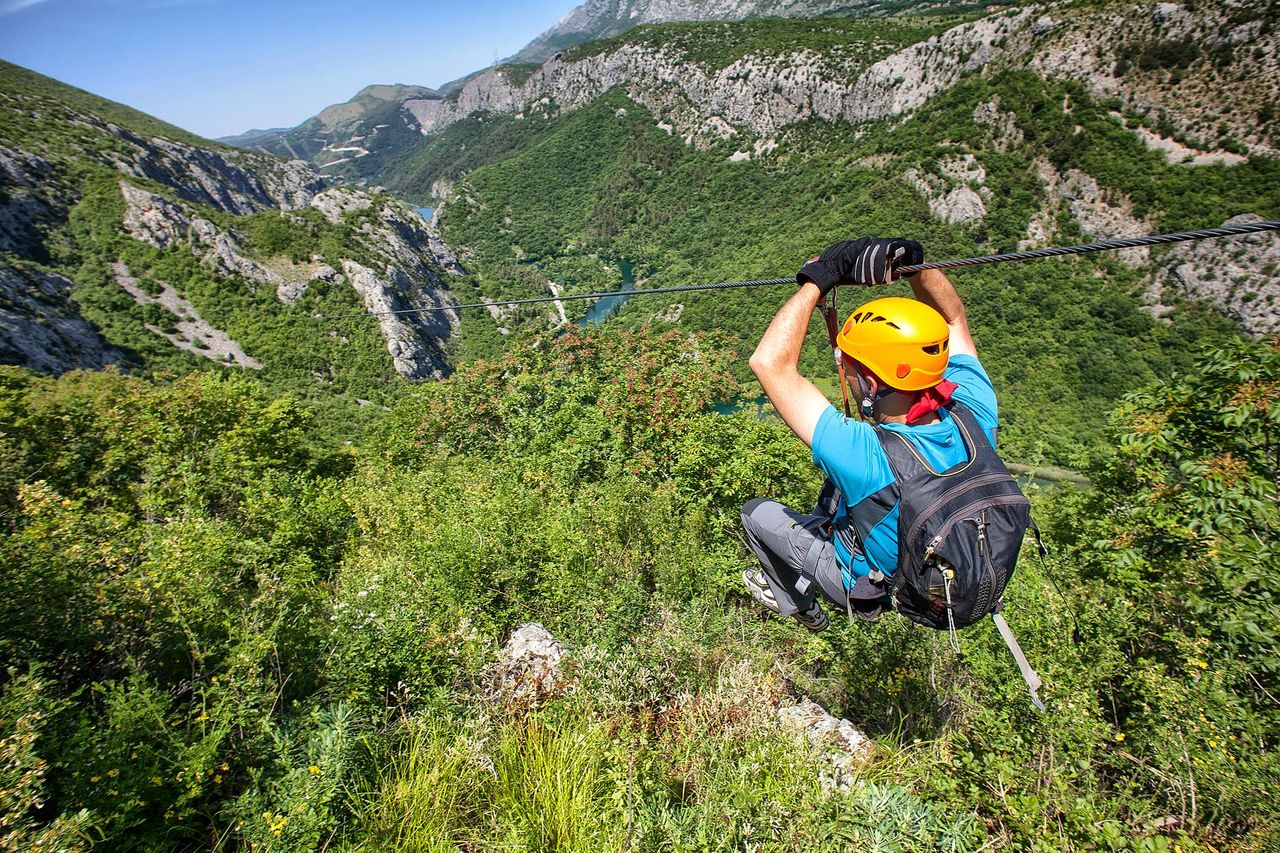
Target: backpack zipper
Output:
[
  {"x": 951, "y": 495},
  {"x": 998, "y": 500}
]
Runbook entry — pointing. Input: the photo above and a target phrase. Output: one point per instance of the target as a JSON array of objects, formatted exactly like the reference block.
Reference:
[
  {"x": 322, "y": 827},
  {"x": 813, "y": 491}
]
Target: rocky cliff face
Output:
[
  {"x": 760, "y": 95},
  {"x": 172, "y": 189},
  {"x": 1115, "y": 51},
  {"x": 1241, "y": 276},
  {"x": 41, "y": 328},
  {"x": 406, "y": 279}
]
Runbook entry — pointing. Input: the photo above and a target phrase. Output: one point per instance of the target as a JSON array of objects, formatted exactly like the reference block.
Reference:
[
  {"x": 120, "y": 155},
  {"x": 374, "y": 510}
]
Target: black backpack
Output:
[{"x": 959, "y": 535}]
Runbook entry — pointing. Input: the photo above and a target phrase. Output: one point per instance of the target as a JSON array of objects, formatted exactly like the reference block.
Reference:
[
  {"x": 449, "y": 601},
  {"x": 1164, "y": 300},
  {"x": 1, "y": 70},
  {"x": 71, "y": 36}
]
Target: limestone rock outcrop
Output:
[
  {"x": 229, "y": 180},
  {"x": 406, "y": 282},
  {"x": 843, "y": 747},
  {"x": 760, "y": 94},
  {"x": 41, "y": 328},
  {"x": 528, "y": 668},
  {"x": 1240, "y": 276}
]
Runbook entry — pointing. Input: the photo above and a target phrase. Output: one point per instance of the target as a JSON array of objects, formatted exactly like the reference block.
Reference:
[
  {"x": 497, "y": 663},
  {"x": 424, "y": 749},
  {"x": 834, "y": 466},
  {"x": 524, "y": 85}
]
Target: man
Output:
[{"x": 911, "y": 359}]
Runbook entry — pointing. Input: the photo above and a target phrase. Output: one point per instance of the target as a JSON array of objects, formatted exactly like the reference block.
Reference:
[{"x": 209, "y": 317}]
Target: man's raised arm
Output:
[
  {"x": 776, "y": 364},
  {"x": 933, "y": 288}
]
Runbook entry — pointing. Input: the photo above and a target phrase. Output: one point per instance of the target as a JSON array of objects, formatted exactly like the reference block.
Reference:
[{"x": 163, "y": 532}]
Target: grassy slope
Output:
[{"x": 21, "y": 82}]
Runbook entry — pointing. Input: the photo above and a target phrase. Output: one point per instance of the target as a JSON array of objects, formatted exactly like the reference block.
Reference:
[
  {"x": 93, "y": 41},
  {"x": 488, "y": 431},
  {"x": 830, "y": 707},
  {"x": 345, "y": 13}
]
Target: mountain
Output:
[
  {"x": 371, "y": 121},
  {"x": 360, "y": 139},
  {"x": 601, "y": 19},
  {"x": 129, "y": 242}
]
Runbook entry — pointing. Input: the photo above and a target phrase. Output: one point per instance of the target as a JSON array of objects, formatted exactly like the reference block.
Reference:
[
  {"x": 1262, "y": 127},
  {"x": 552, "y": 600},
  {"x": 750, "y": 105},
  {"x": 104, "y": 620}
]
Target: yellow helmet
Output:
[{"x": 902, "y": 341}]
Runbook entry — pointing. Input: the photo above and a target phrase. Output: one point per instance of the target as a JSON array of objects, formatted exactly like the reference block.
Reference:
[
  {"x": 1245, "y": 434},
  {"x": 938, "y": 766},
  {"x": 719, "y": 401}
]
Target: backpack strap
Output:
[{"x": 1029, "y": 675}]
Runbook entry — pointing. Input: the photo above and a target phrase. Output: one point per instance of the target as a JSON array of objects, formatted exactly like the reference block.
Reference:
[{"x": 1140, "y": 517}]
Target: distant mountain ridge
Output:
[
  {"x": 312, "y": 136},
  {"x": 598, "y": 19},
  {"x": 341, "y": 133}
]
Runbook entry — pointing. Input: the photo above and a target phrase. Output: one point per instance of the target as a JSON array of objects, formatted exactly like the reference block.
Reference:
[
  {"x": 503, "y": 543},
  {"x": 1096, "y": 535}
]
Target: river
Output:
[
  {"x": 606, "y": 306},
  {"x": 426, "y": 212}
]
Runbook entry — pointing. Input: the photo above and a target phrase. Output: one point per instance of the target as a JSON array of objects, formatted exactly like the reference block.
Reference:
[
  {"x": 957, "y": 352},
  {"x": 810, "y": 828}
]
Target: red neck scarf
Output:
[{"x": 929, "y": 401}]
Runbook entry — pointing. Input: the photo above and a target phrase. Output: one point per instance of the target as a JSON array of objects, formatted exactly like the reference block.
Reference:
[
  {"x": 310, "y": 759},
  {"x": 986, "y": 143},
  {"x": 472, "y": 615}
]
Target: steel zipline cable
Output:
[{"x": 1030, "y": 255}]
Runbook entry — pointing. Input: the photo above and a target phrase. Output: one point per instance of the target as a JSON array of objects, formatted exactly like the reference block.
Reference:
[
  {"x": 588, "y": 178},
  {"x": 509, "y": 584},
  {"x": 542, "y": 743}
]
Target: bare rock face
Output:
[
  {"x": 957, "y": 205},
  {"x": 412, "y": 344},
  {"x": 236, "y": 182},
  {"x": 336, "y": 202},
  {"x": 40, "y": 327},
  {"x": 528, "y": 667},
  {"x": 22, "y": 209},
  {"x": 761, "y": 94},
  {"x": 1099, "y": 214},
  {"x": 756, "y": 93},
  {"x": 844, "y": 748},
  {"x": 1240, "y": 276},
  {"x": 1086, "y": 47},
  {"x": 153, "y": 219}
]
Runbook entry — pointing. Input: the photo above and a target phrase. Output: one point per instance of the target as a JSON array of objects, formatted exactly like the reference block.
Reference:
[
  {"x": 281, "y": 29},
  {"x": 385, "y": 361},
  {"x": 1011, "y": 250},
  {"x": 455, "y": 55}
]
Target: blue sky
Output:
[{"x": 218, "y": 67}]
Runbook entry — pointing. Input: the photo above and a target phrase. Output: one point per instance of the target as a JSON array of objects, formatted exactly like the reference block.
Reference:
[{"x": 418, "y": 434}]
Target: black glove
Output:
[{"x": 868, "y": 260}]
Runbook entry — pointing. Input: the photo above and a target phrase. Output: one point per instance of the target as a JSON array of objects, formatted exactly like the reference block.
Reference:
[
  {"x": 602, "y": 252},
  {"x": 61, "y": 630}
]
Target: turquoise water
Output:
[
  {"x": 737, "y": 404},
  {"x": 606, "y": 306},
  {"x": 426, "y": 212}
]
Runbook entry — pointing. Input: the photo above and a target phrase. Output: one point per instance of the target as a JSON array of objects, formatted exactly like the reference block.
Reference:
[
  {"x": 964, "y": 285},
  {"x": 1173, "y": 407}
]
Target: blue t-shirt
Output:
[{"x": 849, "y": 453}]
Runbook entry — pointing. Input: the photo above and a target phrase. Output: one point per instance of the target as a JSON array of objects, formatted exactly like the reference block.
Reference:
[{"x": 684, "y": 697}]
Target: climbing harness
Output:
[{"x": 1033, "y": 254}]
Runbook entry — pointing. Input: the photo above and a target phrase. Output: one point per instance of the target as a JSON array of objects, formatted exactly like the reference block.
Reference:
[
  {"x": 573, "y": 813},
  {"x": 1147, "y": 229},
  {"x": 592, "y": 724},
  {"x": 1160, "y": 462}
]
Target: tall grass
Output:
[
  {"x": 426, "y": 798},
  {"x": 528, "y": 786}
]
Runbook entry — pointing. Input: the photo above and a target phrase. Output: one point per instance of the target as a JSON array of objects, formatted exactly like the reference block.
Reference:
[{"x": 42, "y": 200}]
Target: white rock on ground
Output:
[
  {"x": 844, "y": 748},
  {"x": 528, "y": 667}
]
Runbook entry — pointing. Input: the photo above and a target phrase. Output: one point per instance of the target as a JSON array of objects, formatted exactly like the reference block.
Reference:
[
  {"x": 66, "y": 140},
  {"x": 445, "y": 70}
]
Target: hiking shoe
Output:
[
  {"x": 815, "y": 619},
  {"x": 758, "y": 586}
]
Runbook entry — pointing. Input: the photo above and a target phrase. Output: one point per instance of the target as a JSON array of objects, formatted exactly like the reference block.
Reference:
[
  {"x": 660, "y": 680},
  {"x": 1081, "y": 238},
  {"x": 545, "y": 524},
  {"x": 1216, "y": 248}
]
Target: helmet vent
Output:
[{"x": 868, "y": 317}]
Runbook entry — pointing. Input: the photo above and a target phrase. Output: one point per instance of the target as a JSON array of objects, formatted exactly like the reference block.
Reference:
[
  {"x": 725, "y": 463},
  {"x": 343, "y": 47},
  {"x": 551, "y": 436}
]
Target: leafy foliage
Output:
[{"x": 213, "y": 630}]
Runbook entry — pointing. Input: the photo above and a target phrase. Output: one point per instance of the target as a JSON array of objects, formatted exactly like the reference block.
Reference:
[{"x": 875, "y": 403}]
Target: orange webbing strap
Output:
[{"x": 832, "y": 318}]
